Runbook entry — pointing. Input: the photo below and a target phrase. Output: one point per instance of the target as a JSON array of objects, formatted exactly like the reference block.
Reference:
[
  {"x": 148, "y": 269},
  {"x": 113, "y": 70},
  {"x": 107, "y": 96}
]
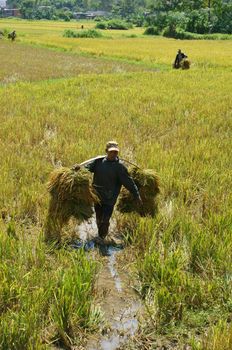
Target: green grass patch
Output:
[
  {"x": 114, "y": 24},
  {"x": 90, "y": 33},
  {"x": 181, "y": 34},
  {"x": 151, "y": 31}
]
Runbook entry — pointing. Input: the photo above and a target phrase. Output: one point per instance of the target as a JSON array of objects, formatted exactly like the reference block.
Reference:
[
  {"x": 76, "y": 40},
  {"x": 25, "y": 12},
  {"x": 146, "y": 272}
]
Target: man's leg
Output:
[
  {"x": 103, "y": 215},
  {"x": 99, "y": 214},
  {"x": 107, "y": 211}
]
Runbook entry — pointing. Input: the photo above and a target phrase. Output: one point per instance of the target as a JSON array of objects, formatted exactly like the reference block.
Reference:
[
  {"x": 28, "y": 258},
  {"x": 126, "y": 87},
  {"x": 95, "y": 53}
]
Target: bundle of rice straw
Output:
[
  {"x": 148, "y": 185},
  {"x": 71, "y": 195},
  {"x": 185, "y": 64}
]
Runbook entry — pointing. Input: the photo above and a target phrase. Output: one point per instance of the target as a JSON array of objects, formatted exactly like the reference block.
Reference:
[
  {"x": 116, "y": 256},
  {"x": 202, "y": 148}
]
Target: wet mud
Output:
[{"x": 120, "y": 305}]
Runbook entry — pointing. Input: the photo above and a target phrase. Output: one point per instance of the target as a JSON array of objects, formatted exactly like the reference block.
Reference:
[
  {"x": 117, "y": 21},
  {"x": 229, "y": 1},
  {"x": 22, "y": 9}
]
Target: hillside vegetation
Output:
[{"x": 201, "y": 16}]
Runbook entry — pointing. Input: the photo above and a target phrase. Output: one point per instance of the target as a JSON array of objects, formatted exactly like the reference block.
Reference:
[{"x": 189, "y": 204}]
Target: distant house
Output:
[
  {"x": 90, "y": 14},
  {"x": 7, "y": 12},
  {"x": 11, "y": 12}
]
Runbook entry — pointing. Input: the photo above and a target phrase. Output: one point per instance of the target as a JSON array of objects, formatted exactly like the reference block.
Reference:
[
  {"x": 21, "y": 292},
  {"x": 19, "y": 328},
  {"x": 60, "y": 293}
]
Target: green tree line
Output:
[{"x": 197, "y": 16}]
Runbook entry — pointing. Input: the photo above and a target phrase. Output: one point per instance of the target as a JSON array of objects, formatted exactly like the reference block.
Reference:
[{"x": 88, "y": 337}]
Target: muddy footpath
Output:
[{"x": 115, "y": 296}]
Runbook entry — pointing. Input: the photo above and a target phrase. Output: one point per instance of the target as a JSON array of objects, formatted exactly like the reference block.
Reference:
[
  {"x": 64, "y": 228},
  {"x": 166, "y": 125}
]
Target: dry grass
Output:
[
  {"x": 23, "y": 62},
  {"x": 219, "y": 337}
]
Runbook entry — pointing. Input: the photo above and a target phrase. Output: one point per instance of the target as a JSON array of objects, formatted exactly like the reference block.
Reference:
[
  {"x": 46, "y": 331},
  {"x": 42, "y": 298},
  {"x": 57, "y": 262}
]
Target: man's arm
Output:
[
  {"x": 92, "y": 163},
  {"x": 90, "y": 166},
  {"x": 176, "y": 60},
  {"x": 127, "y": 181}
]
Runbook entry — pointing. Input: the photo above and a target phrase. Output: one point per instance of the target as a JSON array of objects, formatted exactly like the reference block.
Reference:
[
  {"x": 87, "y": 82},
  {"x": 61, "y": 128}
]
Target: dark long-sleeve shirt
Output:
[{"x": 108, "y": 178}]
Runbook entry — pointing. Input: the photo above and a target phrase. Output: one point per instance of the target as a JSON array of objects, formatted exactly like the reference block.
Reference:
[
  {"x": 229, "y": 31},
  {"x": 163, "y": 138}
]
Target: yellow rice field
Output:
[
  {"x": 118, "y": 44},
  {"x": 176, "y": 122}
]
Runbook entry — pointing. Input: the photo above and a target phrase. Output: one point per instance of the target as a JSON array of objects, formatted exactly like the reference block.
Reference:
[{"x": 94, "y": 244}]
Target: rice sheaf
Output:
[
  {"x": 71, "y": 195},
  {"x": 147, "y": 182}
]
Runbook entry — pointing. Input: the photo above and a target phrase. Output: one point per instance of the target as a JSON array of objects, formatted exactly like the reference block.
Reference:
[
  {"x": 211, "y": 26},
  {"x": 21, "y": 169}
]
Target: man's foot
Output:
[
  {"x": 104, "y": 250},
  {"x": 99, "y": 241}
]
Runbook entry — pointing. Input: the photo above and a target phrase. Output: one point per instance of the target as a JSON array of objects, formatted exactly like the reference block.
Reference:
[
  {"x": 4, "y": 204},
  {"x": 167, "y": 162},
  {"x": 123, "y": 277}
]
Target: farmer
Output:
[
  {"x": 12, "y": 35},
  {"x": 109, "y": 176},
  {"x": 179, "y": 58}
]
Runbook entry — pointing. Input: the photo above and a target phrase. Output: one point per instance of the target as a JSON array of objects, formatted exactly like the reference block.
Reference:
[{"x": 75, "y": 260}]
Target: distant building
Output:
[
  {"x": 11, "y": 12},
  {"x": 8, "y": 12},
  {"x": 90, "y": 14}
]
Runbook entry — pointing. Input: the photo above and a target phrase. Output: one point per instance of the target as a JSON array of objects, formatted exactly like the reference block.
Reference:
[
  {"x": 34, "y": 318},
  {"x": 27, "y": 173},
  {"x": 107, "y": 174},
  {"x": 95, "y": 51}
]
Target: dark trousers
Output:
[{"x": 103, "y": 215}]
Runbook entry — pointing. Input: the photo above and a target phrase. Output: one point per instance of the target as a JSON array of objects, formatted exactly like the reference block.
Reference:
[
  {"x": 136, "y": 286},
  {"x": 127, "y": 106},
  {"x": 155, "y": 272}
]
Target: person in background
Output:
[
  {"x": 179, "y": 58},
  {"x": 12, "y": 35}
]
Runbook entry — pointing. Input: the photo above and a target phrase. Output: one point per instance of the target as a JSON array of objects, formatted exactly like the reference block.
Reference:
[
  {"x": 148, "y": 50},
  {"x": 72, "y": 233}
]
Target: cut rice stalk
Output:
[
  {"x": 71, "y": 196},
  {"x": 148, "y": 185}
]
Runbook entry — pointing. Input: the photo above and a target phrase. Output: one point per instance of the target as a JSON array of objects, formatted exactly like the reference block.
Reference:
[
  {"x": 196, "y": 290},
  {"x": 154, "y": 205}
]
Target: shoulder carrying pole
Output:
[{"x": 98, "y": 157}]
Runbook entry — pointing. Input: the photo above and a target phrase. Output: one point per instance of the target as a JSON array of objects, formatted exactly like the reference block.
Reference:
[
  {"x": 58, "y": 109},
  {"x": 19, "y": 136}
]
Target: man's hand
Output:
[
  {"x": 139, "y": 201},
  {"x": 140, "y": 206},
  {"x": 76, "y": 167}
]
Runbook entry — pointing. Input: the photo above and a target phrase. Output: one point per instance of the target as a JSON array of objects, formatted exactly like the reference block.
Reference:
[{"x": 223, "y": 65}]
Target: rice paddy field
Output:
[{"x": 61, "y": 100}]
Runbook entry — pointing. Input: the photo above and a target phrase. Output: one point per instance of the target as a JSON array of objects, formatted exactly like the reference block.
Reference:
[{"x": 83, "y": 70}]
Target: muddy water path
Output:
[{"x": 120, "y": 305}]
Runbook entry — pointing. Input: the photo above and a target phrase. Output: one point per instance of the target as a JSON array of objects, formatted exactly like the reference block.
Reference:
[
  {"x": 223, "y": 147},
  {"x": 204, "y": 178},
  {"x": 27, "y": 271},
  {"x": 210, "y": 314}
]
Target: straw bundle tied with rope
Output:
[
  {"x": 148, "y": 185},
  {"x": 71, "y": 195},
  {"x": 185, "y": 64}
]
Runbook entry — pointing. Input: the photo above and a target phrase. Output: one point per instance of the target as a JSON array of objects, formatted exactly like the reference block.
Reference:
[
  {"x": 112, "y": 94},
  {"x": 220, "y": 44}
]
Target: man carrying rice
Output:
[
  {"x": 179, "y": 58},
  {"x": 12, "y": 35},
  {"x": 109, "y": 176}
]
